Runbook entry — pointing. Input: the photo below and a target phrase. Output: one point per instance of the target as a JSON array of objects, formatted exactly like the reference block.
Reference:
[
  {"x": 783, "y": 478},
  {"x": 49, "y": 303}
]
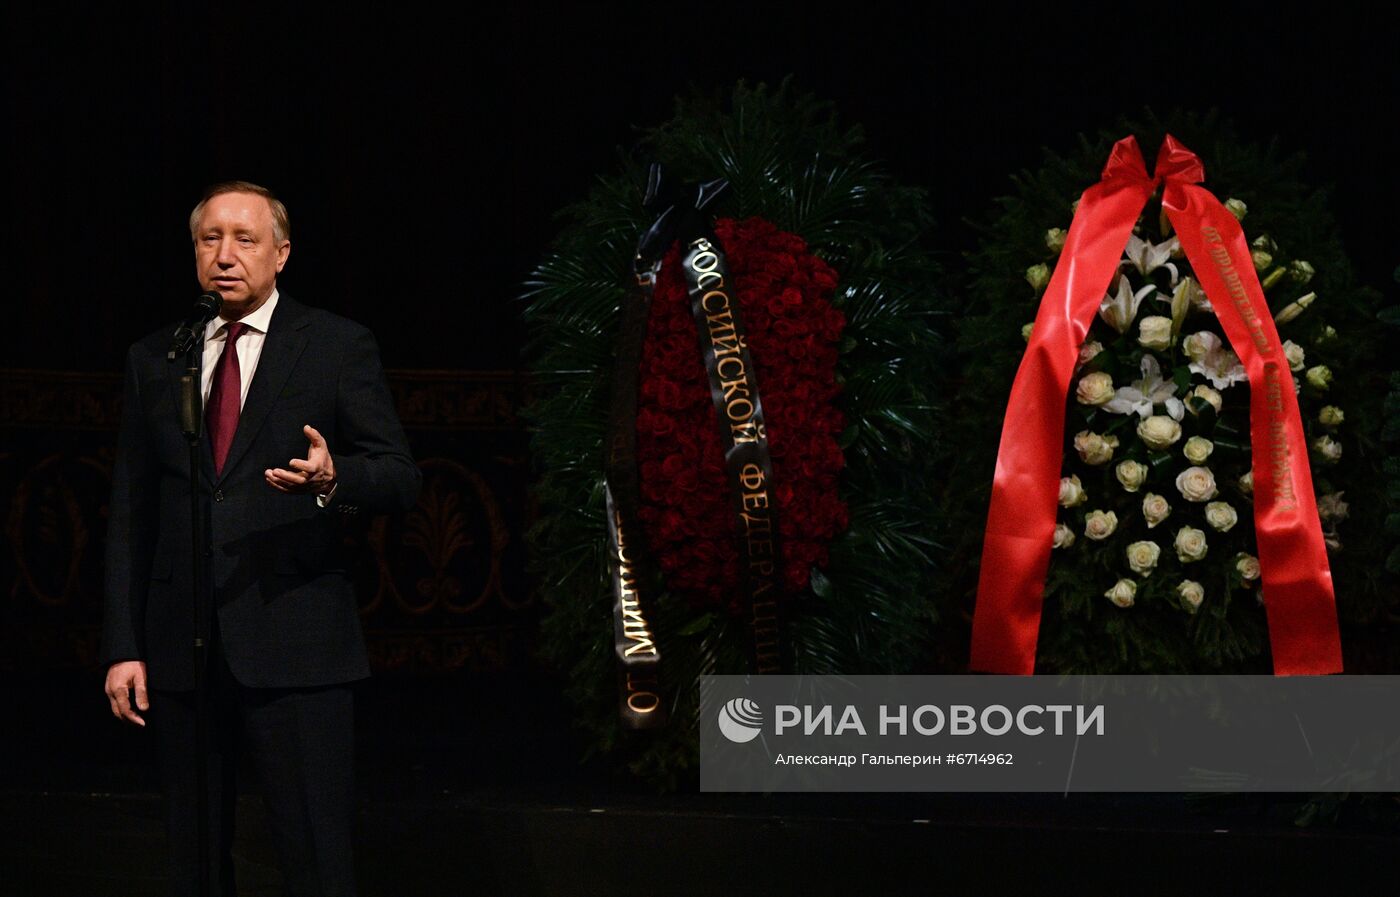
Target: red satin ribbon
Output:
[{"x": 1297, "y": 581}]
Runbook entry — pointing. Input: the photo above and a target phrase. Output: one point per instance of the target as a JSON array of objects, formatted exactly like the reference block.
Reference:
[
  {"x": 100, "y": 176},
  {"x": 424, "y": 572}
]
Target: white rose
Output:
[
  {"x": 1142, "y": 557},
  {"x": 1331, "y": 416},
  {"x": 1190, "y": 544},
  {"x": 1055, "y": 238},
  {"x": 1247, "y": 566},
  {"x": 1295, "y": 355},
  {"x": 1099, "y": 525},
  {"x": 1155, "y": 332},
  {"x": 1197, "y": 449},
  {"x": 1093, "y": 448},
  {"x": 1155, "y": 509},
  {"x": 1159, "y": 431},
  {"x": 1261, "y": 259},
  {"x": 1094, "y": 389},
  {"x": 1237, "y": 208},
  {"x": 1206, "y": 394},
  {"x": 1319, "y": 376},
  {"x": 1089, "y": 350},
  {"x": 1026, "y": 330},
  {"x": 1038, "y": 276},
  {"x": 1221, "y": 516},
  {"x": 1196, "y": 484},
  {"x": 1122, "y": 593},
  {"x": 1192, "y": 594},
  {"x": 1327, "y": 449},
  {"x": 1247, "y": 483},
  {"x": 1301, "y": 271},
  {"x": 1064, "y": 536},
  {"x": 1131, "y": 474},
  {"x": 1197, "y": 345},
  {"x": 1330, "y": 507},
  {"x": 1071, "y": 492}
]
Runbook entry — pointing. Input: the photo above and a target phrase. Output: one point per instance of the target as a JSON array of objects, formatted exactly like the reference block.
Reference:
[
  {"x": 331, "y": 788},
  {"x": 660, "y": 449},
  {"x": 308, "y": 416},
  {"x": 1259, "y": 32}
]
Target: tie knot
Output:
[{"x": 235, "y": 330}]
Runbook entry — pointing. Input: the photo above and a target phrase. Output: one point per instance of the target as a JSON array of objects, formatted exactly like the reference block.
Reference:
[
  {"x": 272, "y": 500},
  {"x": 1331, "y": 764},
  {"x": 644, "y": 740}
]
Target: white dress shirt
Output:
[{"x": 249, "y": 347}]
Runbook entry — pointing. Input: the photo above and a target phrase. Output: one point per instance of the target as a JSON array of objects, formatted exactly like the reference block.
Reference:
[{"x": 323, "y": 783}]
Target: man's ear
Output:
[{"x": 284, "y": 249}]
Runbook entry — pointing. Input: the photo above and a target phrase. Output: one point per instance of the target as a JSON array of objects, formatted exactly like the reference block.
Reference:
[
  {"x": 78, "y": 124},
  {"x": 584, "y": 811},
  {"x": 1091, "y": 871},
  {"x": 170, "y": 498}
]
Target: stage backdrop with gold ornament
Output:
[
  {"x": 736, "y": 358},
  {"x": 1154, "y": 565}
]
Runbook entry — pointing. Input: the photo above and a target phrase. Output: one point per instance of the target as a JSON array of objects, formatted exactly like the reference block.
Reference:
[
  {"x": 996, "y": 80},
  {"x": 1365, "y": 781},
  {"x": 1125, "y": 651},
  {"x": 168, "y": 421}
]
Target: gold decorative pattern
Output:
[
  {"x": 59, "y": 399},
  {"x": 433, "y": 400}
]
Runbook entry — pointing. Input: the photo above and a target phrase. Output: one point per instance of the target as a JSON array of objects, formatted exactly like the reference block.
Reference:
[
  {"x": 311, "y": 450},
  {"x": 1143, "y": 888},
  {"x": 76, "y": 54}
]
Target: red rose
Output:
[{"x": 783, "y": 294}]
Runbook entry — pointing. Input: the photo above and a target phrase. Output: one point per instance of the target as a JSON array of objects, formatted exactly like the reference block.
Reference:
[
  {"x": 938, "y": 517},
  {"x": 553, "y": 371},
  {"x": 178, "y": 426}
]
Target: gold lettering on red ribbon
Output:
[
  {"x": 1279, "y": 456},
  {"x": 1284, "y": 497},
  {"x": 1220, "y": 255}
]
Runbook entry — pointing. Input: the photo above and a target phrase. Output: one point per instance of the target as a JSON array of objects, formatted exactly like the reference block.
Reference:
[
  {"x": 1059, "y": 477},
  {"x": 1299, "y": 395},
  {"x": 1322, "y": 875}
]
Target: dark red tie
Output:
[{"x": 221, "y": 414}]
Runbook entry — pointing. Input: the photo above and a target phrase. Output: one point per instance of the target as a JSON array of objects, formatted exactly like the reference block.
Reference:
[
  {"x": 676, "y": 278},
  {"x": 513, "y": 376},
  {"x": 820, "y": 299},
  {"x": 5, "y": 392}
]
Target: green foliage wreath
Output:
[{"x": 868, "y": 611}]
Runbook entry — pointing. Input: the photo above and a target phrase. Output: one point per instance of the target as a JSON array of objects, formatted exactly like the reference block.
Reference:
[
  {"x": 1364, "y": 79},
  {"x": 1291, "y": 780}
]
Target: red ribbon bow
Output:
[{"x": 1301, "y": 612}]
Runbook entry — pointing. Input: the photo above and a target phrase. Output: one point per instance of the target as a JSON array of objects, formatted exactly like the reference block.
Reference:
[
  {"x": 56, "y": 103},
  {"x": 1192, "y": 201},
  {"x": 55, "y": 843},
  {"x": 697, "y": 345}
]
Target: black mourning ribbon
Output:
[
  {"x": 678, "y": 208},
  {"x": 734, "y": 392},
  {"x": 683, "y": 214}
]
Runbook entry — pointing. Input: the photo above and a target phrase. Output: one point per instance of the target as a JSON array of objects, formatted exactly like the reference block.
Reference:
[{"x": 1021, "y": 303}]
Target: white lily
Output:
[
  {"x": 1217, "y": 364},
  {"x": 1143, "y": 394},
  {"x": 1189, "y": 296},
  {"x": 1119, "y": 310},
  {"x": 1147, "y": 257}
]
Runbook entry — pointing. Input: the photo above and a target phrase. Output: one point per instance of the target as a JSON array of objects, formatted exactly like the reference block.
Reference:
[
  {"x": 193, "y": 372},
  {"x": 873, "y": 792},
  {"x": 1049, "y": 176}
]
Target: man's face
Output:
[{"x": 236, "y": 252}]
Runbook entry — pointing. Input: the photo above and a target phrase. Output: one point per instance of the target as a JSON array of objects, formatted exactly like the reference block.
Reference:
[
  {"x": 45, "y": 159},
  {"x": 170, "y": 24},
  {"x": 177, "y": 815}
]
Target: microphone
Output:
[{"x": 205, "y": 308}]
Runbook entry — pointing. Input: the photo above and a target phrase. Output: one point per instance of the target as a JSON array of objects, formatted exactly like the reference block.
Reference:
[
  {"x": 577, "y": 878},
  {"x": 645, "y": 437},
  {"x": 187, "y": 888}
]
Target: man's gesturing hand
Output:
[
  {"x": 122, "y": 678},
  {"x": 314, "y": 476}
]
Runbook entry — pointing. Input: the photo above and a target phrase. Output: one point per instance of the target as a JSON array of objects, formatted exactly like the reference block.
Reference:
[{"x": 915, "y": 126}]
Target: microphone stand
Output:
[{"x": 190, "y": 409}]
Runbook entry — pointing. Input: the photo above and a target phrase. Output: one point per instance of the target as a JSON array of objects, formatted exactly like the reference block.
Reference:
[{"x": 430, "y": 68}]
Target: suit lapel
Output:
[{"x": 283, "y": 345}]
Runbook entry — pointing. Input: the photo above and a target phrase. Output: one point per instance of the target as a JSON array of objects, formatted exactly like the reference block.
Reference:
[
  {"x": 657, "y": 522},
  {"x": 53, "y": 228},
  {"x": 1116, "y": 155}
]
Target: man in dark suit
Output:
[{"x": 300, "y": 431}]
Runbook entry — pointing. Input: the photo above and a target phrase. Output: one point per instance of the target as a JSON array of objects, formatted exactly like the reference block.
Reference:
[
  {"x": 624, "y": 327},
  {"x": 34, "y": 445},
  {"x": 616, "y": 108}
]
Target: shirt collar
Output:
[{"x": 257, "y": 321}]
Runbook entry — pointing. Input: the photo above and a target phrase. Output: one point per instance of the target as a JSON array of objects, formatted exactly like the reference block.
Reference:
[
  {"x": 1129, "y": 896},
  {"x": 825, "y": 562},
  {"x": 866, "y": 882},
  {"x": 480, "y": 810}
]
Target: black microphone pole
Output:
[{"x": 188, "y": 340}]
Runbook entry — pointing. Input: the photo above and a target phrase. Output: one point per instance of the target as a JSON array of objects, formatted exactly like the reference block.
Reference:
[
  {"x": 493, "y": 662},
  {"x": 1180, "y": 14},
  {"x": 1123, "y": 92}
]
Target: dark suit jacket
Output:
[{"x": 277, "y": 576}]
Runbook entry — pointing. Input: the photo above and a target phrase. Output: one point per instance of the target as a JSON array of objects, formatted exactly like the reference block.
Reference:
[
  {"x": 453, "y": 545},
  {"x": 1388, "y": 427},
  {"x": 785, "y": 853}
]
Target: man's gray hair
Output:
[{"x": 281, "y": 223}]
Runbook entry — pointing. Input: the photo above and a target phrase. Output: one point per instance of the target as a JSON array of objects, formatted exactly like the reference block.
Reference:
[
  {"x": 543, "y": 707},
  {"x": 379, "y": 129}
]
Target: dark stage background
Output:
[{"x": 423, "y": 155}]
